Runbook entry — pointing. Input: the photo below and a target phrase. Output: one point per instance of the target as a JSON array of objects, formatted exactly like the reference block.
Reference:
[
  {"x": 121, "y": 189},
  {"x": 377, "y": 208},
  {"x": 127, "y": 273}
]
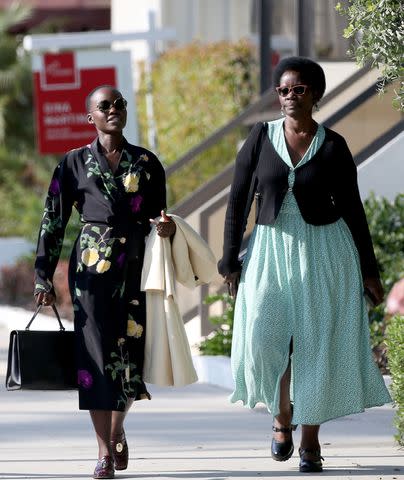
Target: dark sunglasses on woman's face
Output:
[
  {"x": 296, "y": 89},
  {"x": 105, "y": 105}
]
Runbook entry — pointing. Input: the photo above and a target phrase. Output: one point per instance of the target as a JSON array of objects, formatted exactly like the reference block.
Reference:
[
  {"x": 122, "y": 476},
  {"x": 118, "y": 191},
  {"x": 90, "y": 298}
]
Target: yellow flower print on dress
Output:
[
  {"x": 103, "y": 266},
  {"x": 134, "y": 329},
  {"x": 131, "y": 182},
  {"x": 144, "y": 157},
  {"x": 89, "y": 257}
]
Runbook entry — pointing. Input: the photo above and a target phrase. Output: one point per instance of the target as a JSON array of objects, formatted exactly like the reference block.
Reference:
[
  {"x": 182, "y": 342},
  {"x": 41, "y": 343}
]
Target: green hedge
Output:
[
  {"x": 219, "y": 341},
  {"x": 395, "y": 345},
  {"x": 197, "y": 89},
  {"x": 386, "y": 225},
  {"x": 22, "y": 184}
]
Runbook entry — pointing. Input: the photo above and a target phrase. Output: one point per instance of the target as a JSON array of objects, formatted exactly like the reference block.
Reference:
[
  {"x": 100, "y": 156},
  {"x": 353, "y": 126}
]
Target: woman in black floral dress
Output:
[{"x": 116, "y": 187}]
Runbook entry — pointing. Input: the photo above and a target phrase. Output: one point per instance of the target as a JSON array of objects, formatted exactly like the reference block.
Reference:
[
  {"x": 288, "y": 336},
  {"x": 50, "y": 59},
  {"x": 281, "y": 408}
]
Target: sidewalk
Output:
[{"x": 188, "y": 433}]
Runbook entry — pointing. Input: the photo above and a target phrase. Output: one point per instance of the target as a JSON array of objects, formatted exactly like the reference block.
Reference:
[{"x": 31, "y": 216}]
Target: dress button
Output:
[{"x": 290, "y": 189}]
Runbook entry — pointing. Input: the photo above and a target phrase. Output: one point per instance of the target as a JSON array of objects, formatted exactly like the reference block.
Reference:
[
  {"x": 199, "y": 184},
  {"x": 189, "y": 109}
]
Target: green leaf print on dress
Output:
[
  {"x": 106, "y": 177},
  {"x": 96, "y": 247},
  {"x": 122, "y": 369}
]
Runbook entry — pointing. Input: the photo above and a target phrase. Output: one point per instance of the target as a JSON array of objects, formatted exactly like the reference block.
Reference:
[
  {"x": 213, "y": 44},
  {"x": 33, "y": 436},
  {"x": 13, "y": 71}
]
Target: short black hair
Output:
[
  {"x": 310, "y": 71},
  {"x": 88, "y": 98}
]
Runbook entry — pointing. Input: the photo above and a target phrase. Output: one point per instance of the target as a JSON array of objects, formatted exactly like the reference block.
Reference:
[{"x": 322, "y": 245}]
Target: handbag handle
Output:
[{"x": 61, "y": 327}]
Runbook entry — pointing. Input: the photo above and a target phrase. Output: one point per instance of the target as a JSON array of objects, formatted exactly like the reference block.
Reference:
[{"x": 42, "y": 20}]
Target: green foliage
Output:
[
  {"x": 386, "y": 225},
  {"x": 219, "y": 341},
  {"x": 23, "y": 174},
  {"x": 20, "y": 190},
  {"x": 15, "y": 80},
  {"x": 378, "y": 29},
  {"x": 197, "y": 89},
  {"x": 395, "y": 345}
]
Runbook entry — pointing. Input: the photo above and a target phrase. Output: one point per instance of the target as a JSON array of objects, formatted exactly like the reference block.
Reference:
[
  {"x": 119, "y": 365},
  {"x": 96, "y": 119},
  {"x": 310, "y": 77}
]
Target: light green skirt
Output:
[{"x": 303, "y": 282}]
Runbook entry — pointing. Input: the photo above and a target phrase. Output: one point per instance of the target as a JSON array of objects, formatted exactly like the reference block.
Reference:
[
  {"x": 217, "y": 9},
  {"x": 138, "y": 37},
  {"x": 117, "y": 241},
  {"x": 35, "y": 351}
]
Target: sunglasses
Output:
[
  {"x": 105, "y": 105},
  {"x": 296, "y": 89}
]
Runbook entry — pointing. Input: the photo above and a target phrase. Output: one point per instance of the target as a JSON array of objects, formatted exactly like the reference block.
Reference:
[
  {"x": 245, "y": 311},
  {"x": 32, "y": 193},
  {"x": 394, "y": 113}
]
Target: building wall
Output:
[
  {"x": 133, "y": 16},
  {"x": 232, "y": 20},
  {"x": 383, "y": 172}
]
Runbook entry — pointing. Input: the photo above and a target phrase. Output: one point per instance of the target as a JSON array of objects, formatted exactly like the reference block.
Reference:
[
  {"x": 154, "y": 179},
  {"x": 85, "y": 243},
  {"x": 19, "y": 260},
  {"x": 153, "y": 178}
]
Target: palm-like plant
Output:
[{"x": 15, "y": 78}]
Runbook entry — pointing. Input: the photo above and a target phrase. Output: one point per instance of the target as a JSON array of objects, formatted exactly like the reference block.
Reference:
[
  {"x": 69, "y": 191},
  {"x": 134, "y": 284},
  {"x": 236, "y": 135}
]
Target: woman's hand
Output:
[
  {"x": 375, "y": 288},
  {"x": 166, "y": 226},
  {"x": 45, "y": 298},
  {"x": 232, "y": 280}
]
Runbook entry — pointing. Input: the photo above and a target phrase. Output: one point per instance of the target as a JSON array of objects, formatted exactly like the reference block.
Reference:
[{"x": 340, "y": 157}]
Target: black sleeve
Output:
[
  {"x": 57, "y": 211},
  {"x": 353, "y": 212},
  {"x": 239, "y": 197}
]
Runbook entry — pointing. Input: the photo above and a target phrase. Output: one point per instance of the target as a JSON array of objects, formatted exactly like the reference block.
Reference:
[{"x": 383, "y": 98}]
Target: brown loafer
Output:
[
  {"x": 120, "y": 452},
  {"x": 104, "y": 468}
]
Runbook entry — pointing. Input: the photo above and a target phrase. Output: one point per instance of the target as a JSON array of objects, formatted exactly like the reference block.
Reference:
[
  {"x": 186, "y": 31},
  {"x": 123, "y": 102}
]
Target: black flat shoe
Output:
[
  {"x": 313, "y": 464},
  {"x": 282, "y": 451}
]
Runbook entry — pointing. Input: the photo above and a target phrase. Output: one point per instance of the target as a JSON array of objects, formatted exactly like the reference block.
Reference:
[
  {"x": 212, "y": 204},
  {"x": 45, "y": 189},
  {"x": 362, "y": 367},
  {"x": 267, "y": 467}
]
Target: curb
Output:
[{"x": 214, "y": 369}]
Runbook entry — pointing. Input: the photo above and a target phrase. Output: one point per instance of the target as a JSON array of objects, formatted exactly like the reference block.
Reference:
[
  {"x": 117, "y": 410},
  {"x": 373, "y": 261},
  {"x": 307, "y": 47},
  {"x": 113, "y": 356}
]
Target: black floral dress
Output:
[{"x": 105, "y": 264}]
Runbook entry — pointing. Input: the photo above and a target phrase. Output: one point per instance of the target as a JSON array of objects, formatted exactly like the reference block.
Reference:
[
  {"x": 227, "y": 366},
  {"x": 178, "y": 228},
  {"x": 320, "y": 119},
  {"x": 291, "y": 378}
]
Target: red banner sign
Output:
[{"x": 61, "y": 88}]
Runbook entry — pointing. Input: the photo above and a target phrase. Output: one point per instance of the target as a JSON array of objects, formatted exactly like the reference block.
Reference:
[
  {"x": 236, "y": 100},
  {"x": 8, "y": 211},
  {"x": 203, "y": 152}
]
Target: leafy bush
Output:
[
  {"x": 386, "y": 224},
  {"x": 377, "y": 29},
  {"x": 395, "y": 345},
  {"x": 219, "y": 341},
  {"x": 197, "y": 89},
  {"x": 21, "y": 187}
]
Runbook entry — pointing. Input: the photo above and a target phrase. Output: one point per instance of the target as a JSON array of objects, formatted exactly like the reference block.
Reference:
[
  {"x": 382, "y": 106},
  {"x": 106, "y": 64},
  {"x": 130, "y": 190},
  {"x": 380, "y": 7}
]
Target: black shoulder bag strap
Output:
[{"x": 254, "y": 180}]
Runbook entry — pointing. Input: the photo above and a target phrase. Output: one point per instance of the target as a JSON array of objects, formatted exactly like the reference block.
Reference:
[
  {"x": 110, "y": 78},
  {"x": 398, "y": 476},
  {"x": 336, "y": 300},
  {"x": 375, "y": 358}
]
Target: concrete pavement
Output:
[{"x": 188, "y": 433}]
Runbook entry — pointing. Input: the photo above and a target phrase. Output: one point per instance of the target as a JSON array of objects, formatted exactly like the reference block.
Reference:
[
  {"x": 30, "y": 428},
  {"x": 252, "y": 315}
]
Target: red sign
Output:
[
  {"x": 60, "y": 92},
  {"x": 59, "y": 69}
]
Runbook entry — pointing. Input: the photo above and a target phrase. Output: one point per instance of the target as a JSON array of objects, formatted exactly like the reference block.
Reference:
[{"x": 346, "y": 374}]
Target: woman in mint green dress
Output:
[{"x": 301, "y": 338}]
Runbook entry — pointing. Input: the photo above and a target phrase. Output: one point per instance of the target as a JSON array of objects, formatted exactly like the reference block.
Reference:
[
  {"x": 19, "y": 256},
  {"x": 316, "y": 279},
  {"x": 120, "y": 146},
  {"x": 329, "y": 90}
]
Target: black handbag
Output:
[{"x": 41, "y": 360}]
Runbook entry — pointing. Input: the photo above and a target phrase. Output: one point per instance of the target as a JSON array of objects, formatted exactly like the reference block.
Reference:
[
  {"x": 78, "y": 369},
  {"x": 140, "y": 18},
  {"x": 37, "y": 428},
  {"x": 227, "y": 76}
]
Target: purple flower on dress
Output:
[
  {"x": 121, "y": 259},
  {"x": 135, "y": 203},
  {"x": 84, "y": 379},
  {"x": 54, "y": 187}
]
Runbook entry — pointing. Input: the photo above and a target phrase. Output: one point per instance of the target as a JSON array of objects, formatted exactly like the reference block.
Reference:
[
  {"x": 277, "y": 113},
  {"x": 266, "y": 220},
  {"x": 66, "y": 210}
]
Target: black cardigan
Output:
[{"x": 325, "y": 189}]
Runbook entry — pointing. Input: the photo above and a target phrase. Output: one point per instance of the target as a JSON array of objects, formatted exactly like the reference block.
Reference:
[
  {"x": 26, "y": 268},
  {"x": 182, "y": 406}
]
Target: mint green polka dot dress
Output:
[{"x": 303, "y": 282}]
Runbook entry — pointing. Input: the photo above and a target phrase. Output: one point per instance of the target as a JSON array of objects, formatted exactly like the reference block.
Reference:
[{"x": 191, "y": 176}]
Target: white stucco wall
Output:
[
  {"x": 383, "y": 172},
  {"x": 133, "y": 16},
  {"x": 11, "y": 248}
]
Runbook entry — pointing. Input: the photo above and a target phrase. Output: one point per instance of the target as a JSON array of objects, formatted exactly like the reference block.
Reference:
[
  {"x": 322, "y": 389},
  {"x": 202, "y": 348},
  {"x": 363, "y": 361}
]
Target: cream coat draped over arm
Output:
[{"x": 188, "y": 259}]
